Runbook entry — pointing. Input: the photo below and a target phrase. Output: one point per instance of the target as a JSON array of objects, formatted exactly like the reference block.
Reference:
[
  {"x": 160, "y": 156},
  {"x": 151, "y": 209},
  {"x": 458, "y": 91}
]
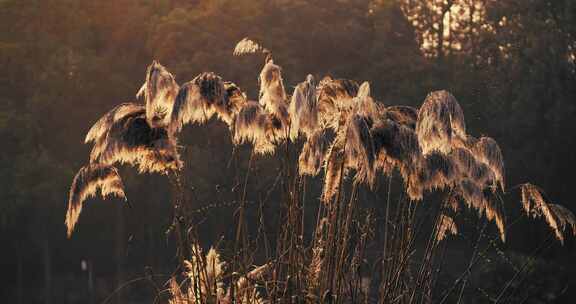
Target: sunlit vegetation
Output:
[
  {"x": 339, "y": 129},
  {"x": 347, "y": 151}
]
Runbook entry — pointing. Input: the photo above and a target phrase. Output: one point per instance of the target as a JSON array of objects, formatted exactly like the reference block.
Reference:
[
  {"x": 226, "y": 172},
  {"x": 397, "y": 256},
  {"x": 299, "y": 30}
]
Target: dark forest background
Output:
[{"x": 64, "y": 63}]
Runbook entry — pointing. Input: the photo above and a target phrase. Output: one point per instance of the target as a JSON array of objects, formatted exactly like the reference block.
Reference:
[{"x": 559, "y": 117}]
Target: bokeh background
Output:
[{"x": 63, "y": 63}]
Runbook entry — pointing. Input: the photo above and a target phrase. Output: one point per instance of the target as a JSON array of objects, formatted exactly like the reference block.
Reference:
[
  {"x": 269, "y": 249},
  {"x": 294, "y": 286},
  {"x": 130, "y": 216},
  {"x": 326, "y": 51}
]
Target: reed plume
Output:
[
  {"x": 445, "y": 227},
  {"x": 204, "y": 276},
  {"x": 234, "y": 99},
  {"x": 489, "y": 152},
  {"x": 303, "y": 109},
  {"x": 359, "y": 151},
  {"x": 565, "y": 218},
  {"x": 121, "y": 136},
  {"x": 103, "y": 125},
  {"x": 469, "y": 166},
  {"x": 315, "y": 268},
  {"x": 248, "y": 46},
  {"x": 130, "y": 139},
  {"x": 353, "y": 147},
  {"x": 396, "y": 146},
  {"x": 139, "y": 135},
  {"x": 337, "y": 92},
  {"x": 199, "y": 99},
  {"x": 334, "y": 167},
  {"x": 474, "y": 197},
  {"x": 365, "y": 106},
  {"x": 254, "y": 125},
  {"x": 557, "y": 217},
  {"x": 159, "y": 90},
  {"x": 86, "y": 183},
  {"x": 312, "y": 155},
  {"x": 403, "y": 115},
  {"x": 438, "y": 171},
  {"x": 204, "y": 281},
  {"x": 272, "y": 94},
  {"x": 429, "y": 147},
  {"x": 440, "y": 122},
  {"x": 335, "y": 97},
  {"x": 266, "y": 123}
]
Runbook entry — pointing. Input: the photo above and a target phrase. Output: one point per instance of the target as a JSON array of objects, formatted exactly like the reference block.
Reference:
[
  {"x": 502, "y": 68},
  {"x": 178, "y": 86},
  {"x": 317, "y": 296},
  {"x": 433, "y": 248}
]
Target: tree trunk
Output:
[
  {"x": 440, "y": 43},
  {"x": 90, "y": 282},
  {"x": 20, "y": 277},
  {"x": 119, "y": 251},
  {"x": 47, "y": 257}
]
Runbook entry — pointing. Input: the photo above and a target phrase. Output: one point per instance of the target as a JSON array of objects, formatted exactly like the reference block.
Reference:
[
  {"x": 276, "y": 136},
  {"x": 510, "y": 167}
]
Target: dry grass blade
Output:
[
  {"x": 440, "y": 122},
  {"x": 494, "y": 213},
  {"x": 86, "y": 183}
]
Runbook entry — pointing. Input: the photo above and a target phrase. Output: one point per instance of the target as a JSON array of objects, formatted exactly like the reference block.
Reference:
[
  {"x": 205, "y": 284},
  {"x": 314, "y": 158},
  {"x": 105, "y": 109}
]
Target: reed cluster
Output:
[{"x": 341, "y": 132}]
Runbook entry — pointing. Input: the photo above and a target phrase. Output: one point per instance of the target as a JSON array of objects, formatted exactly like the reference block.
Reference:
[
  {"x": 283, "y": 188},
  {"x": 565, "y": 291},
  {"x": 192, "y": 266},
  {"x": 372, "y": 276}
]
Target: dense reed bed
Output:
[{"x": 332, "y": 130}]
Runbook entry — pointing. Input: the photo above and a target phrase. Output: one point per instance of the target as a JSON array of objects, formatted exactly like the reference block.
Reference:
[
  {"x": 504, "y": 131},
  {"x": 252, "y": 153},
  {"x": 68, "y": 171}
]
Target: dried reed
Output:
[
  {"x": 248, "y": 46},
  {"x": 557, "y": 217},
  {"x": 86, "y": 183},
  {"x": 428, "y": 147},
  {"x": 303, "y": 109},
  {"x": 440, "y": 122},
  {"x": 312, "y": 155},
  {"x": 446, "y": 227},
  {"x": 159, "y": 90},
  {"x": 198, "y": 100}
]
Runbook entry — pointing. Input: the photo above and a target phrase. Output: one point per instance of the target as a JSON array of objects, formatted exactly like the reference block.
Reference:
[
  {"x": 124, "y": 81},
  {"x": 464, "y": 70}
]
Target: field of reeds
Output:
[{"x": 434, "y": 180}]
